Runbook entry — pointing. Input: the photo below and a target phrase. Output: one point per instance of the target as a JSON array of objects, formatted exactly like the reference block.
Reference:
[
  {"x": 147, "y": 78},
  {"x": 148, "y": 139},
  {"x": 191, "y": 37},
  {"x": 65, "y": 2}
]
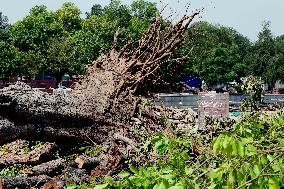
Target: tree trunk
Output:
[
  {"x": 5, "y": 81},
  {"x": 58, "y": 77}
]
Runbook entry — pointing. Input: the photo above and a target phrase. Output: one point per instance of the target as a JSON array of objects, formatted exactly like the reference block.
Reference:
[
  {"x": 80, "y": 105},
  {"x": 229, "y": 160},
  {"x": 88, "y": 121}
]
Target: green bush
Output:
[{"x": 247, "y": 154}]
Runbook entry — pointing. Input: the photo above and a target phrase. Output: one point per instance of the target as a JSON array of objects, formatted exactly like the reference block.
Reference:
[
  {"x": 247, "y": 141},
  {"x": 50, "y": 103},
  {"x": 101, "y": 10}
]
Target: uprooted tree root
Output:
[{"x": 103, "y": 108}]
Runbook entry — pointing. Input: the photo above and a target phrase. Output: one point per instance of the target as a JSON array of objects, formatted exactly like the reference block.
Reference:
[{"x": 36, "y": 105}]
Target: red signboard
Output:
[{"x": 213, "y": 105}]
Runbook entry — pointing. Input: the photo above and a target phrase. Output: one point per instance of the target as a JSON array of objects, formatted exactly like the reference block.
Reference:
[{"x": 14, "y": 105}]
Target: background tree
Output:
[
  {"x": 221, "y": 67},
  {"x": 3, "y": 21},
  {"x": 31, "y": 36},
  {"x": 279, "y": 42},
  {"x": 102, "y": 23},
  {"x": 59, "y": 56},
  {"x": 9, "y": 55},
  {"x": 96, "y": 10},
  {"x": 35, "y": 37},
  {"x": 10, "y": 60},
  {"x": 143, "y": 10},
  {"x": 96, "y": 34},
  {"x": 68, "y": 16},
  {"x": 263, "y": 61},
  {"x": 117, "y": 12},
  {"x": 201, "y": 41}
]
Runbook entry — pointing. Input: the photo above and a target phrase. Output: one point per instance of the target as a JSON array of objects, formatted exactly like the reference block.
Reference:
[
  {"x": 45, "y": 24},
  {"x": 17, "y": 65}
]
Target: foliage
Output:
[
  {"x": 32, "y": 40},
  {"x": 243, "y": 154},
  {"x": 252, "y": 86},
  {"x": 10, "y": 60},
  {"x": 118, "y": 12},
  {"x": 204, "y": 38},
  {"x": 90, "y": 150},
  {"x": 96, "y": 34},
  {"x": 68, "y": 17},
  {"x": 265, "y": 60},
  {"x": 96, "y": 10},
  {"x": 12, "y": 170},
  {"x": 3, "y": 21},
  {"x": 221, "y": 67},
  {"x": 59, "y": 59},
  {"x": 143, "y": 10}
]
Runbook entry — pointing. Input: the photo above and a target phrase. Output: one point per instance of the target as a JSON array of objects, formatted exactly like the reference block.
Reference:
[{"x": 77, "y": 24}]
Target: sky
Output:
[{"x": 246, "y": 16}]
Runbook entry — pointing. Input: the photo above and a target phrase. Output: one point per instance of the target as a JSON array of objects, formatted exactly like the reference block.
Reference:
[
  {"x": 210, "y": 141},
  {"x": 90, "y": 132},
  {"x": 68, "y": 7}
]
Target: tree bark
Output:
[{"x": 58, "y": 77}]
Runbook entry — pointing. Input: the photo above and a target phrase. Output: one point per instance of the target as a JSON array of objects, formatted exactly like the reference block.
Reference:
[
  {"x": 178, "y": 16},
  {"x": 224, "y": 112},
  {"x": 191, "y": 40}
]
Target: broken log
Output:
[
  {"x": 53, "y": 184},
  {"x": 49, "y": 168},
  {"x": 86, "y": 162},
  {"x": 34, "y": 157},
  {"x": 8, "y": 182},
  {"x": 10, "y": 131}
]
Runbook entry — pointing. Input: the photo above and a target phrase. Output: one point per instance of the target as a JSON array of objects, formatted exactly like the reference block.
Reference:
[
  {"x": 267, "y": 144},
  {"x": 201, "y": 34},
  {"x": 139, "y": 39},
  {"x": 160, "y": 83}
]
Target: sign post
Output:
[{"x": 213, "y": 105}]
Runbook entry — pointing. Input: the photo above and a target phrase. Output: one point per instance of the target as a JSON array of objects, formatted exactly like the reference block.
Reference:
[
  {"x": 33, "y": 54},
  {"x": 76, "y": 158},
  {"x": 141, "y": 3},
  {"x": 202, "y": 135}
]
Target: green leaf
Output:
[
  {"x": 188, "y": 170},
  {"x": 178, "y": 185},
  {"x": 273, "y": 184},
  {"x": 197, "y": 186},
  {"x": 226, "y": 142},
  {"x": 256, "y": 170},
  {"x": 167, "y": 177},
  {"x": 134, "y": 170},
  {"x": 216, "y": 146},
  {"x": 251, "y": 150},
  {"x": 239, "y": 176},
  {"x": 263, "y": 160},
  {"x": 123, "y": 174},
  {"x": 231, "y": 178},
  {"x": 216, "y": 173},
  {"x": 234, "y": 147},
  {"x": 71, "y": 186},
  {"x": 212, "y": 186},
  {"x": 167, "y": 170},
  {"x": 101, "y": 186},
  {"x": 269, "y": 157},
  {"x": 161, "y": 185},
  {"x": 240, "y": 148}
]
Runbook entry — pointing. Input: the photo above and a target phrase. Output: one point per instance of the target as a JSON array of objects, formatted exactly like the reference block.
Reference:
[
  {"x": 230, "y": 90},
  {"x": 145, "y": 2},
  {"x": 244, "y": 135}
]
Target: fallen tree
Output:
[
  {"x": 102, "y": 109},
  {"x": 103, "y": 100}
]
